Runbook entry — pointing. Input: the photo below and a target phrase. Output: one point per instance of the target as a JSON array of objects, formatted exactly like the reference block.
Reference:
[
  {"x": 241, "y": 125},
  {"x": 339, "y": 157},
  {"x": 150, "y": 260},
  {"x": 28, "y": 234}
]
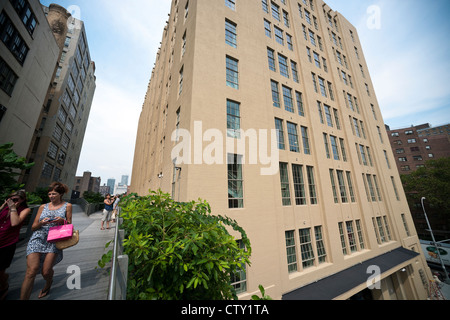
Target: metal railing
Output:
[{"x": 119, "y": 270}]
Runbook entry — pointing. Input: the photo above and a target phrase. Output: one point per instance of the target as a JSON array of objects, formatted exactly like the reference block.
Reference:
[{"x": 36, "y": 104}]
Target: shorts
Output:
[
  {"x": 106, "y": 215},
  {"x": 6, "y": 256}
]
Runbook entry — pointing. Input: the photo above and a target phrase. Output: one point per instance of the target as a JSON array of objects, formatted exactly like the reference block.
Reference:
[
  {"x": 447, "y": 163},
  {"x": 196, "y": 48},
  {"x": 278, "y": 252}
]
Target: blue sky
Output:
[{"x": 405, "y": 44}]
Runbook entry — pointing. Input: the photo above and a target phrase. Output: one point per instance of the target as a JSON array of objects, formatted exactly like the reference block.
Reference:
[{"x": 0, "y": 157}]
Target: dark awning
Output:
[{"x": 341, "y": 282}]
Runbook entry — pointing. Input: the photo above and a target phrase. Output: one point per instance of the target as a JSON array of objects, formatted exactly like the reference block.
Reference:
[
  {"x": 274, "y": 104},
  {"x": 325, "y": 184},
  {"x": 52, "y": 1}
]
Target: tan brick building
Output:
[{"x": 332, "y": 215}]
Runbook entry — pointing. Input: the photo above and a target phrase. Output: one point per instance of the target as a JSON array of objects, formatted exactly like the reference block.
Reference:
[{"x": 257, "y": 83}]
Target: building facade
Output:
[
  {"x": 412, "y": 147},
  {"x": 86, "y": 183},
  {"x": 59, "y": 134},
  {"x": 266, "y": 110},
  {"x": 28, "y": 58}
]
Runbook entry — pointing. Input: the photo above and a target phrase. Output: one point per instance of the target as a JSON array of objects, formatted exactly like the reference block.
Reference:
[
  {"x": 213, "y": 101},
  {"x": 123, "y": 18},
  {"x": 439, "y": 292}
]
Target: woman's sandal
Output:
[{"x": 45, "y": 293}]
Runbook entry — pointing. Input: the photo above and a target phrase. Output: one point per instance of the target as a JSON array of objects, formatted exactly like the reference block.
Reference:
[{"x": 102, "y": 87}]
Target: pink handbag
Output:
[{"x": 59, "y": 233}]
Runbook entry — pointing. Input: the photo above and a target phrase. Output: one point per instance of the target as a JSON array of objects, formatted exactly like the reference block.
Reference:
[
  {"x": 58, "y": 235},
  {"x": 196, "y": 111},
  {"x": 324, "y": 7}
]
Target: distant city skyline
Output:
[{"x": 403, "y": 42}]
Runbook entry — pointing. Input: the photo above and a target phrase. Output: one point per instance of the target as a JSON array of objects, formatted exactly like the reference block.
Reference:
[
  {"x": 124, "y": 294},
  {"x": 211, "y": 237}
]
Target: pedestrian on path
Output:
[
  {"x": 12, "y": 215},
  {"x": 43, "y": 255},
  {"x": 107, "y": 212},
  {"x": 115, "y": 208}
]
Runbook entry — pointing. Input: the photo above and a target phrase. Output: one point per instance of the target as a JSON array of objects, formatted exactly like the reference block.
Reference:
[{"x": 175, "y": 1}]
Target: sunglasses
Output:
[{"x": 15, "y": 200}]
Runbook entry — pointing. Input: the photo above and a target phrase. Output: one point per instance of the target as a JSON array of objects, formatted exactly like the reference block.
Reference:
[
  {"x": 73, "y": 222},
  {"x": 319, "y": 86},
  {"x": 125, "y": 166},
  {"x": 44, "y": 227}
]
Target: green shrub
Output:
[{"x": 179, "y": 251}]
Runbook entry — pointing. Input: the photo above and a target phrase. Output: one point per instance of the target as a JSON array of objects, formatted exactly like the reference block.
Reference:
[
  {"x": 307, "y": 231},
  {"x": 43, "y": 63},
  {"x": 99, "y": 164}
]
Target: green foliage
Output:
[
  {"x": 105, "y": 257},
  {"x": 10, "y": 168},
  {"x": 93, "y": 197},
  {"x": 179, "y": 251},
  {"x": 432, "y": 182},
  {"x": 263, "y": 294},
  {"x": 39, "y": 196}
]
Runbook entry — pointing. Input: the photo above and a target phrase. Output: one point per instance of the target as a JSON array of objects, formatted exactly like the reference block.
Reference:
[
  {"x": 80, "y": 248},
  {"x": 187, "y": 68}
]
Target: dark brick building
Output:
[{"x": 412, "y": 147}]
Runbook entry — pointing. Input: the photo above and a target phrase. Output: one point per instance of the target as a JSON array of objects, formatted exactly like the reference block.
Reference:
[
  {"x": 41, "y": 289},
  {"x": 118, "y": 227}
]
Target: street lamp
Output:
[{"x": 447, "y": 280}]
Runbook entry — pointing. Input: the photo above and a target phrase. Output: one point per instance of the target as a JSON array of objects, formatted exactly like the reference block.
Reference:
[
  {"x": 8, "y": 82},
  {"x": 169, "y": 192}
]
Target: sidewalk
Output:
[{"x": 85, "y": 255}]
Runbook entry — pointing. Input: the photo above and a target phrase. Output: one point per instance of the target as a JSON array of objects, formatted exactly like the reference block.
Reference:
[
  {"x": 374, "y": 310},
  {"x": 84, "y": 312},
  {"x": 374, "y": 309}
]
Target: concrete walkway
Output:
[{"x": 94, "y": 281}]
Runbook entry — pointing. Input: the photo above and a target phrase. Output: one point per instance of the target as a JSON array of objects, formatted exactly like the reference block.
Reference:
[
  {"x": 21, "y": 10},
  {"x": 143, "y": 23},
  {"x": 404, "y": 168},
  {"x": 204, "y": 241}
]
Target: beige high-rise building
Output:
[{"x": 321, "y": 199}]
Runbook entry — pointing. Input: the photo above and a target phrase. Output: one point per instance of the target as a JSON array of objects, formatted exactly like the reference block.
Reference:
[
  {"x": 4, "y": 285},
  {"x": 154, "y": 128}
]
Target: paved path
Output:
[{"x": 94, "y": 281}]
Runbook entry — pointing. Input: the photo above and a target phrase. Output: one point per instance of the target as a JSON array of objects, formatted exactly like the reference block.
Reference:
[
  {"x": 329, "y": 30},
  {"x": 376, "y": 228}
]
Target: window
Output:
[
  {"x": 305, "y": 139},
  {"x": 291, "y": 251},
  {"x": 381, "y": 230},
  {"x": 405, "y": 224},
  {"x": 328, "y": 115},
  {"x": 360, "y": 234},
  {"x": 289, "y": 42},
  {"x": 52, "y": 150},
  {"x": 47, "y": 170},
  {"x": 321, "y": 252},
  {"x": 342, "y": 189},
  {"x": 231, "y": 4},
  {"x": 298, "y": 95},
  {"x": 299, "y": 185},
  {"x": 342, "y": 237},
  {"x": 351, "y": 236},
  {"x": 287, "y": 97},
  {"x": 275, "y": 11},
  {"x": 350, "y": 186},
  {"x": 286, "y": 19},
  {"x": 312, "y": 185},
  {"x": 306, "y": 248},
  {"x": 344, "y": 154},
  {"x": 294, "y": 71},
  {"x": 12, "y": 39},
  {"x": 239, "y": 278},
  {"x": 271, "y": 58},
  {"x": 8, "y": 78},
  {"x": 180, "y": 90},
  {"x": 232, "y": 73},
  {"x": 371, "y": 188},
  {"x": 279, "y": 35},
  {"x": 57, "y": 133},
  {"x": 235, "y": 182},
  {"x": 265, "y": 6},
  {"x": 293, "y": 137},
  {"x": 334, "y": 147},
  {"x": 327, "y": 148},
  {"x": 333, "y": 186},
  {"x": 25, "y": 14},
  {"x": 2, "y": 111},
  {"x": 233, "y": 119},
  {"x": 230, "y": 34},
  {"x": 323, "y": 90},
  {"x": 280, "y": 133},
  {"x": 284, "y": 179},
  {"x": 267, "y": 28},
  {"x": 314, "y": 82},
  {"x": 283, "y": 63},
  {"x": 275, "y": 94}
]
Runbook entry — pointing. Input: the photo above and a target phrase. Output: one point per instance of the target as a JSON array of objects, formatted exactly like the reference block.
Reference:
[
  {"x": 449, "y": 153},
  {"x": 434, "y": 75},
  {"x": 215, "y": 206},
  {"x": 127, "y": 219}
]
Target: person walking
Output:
[
  {"x": 12, "y": 215},
  {"x": 115, "y": 208},
  {"x": 107, "y": 212},
  {"x": 41, "y": 254}
]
